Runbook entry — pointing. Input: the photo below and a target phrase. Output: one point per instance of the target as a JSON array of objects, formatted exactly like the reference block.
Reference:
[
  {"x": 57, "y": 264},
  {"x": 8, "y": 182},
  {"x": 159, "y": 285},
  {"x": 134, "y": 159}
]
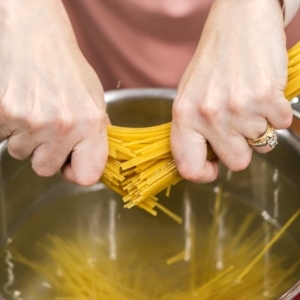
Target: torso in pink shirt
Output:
[{"x": 143, "y": 43}]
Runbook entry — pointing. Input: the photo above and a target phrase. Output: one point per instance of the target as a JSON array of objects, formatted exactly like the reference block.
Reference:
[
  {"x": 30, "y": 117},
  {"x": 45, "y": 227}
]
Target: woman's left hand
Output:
[{"x": 234, "y": 84}]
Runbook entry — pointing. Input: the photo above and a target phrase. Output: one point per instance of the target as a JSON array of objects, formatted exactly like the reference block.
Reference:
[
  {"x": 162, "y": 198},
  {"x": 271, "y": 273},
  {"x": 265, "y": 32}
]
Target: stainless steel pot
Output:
[{"x": 271, "y": 184}]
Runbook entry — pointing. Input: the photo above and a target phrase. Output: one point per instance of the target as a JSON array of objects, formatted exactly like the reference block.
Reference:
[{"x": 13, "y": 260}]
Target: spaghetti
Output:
[
  {"x": 141, "y": 165},
  {"x": 252, "y": 266}
]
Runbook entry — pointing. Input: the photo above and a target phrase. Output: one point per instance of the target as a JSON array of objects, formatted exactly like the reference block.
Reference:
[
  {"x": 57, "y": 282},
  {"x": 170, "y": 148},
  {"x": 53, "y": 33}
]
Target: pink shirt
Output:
[{"x": 143, "y": 43}]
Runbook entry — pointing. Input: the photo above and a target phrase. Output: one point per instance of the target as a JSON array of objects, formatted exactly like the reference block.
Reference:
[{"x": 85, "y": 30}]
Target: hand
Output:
[
  {"x": 233, "y": 85},
  {"x": 51, "y": 101}
]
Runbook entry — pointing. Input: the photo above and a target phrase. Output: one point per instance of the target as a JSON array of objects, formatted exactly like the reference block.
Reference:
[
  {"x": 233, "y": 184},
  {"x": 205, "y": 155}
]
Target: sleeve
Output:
[{"x": 291, "y": 8}]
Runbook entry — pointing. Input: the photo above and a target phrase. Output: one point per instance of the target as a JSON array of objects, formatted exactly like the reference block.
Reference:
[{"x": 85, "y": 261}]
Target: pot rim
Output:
[{"x": 168, "y": 93}]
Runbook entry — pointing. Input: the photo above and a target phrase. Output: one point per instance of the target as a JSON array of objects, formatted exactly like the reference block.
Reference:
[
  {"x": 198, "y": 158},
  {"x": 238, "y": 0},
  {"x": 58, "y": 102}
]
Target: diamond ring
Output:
[{"x": 269, "y": 138}]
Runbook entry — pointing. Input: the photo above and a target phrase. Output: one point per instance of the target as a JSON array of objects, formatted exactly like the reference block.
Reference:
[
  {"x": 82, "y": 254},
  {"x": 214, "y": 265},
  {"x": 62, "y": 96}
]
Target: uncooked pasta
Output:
[
  {"x": 293, "y": 84},
  {"x": 241, "y": 261},
  {"x": 141, "y": 165}
]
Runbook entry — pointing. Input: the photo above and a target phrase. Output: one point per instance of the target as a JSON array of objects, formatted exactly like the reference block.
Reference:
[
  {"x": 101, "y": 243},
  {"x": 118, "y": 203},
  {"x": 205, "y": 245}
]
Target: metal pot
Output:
[{"x": 28, "y": 202}]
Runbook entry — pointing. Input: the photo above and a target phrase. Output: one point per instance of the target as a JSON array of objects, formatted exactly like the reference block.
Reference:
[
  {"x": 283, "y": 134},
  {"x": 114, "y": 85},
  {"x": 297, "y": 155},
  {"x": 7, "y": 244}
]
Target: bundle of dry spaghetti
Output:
[
  {"x": 243, "y": 261},
  {"x": 293, "y": 84},
  {"x": 140, "y": 163}
]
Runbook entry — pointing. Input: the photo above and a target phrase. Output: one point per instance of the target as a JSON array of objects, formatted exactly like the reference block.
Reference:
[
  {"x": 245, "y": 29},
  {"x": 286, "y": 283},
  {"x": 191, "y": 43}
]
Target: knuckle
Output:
[
  {"x": 210, "y": 111},
  {"x": 34, "y": 124},
  {"x": 95, "y": 118},
  {"x": 61, "y": 123},
  {"x": 180, "y": 109},
  {"x": 238, "y": 106},
  {"x": 28, "y": 121},
  {"x": 12, "y": 114},
  {"x": 264, "y": 90},
  {"x": 64, "y": 123}
]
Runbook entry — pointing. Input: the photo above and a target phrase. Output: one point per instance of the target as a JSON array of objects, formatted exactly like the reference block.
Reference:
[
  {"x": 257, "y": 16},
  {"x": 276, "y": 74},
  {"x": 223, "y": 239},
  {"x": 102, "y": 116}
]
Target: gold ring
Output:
[{"x": 269, "y": 138}]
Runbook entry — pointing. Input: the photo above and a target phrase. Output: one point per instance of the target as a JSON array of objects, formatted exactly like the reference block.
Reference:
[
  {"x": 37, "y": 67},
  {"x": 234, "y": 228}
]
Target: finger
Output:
[
  {"x": 253, "y": 132},
  {"x": 189, "y": 150},
  {"x": 263, "y": 150},
  {"x": 250, "y": 128},
  {"x": 233, "y": 150},
  {"x": 48, "y": 158},
  {"x": 280, "y": 114},
  {"x": 21, "y": 146},
  {"x": 270, "y": 142},
  {"x": 88, "y": 161},
  {"x": 4, "y": 131}
]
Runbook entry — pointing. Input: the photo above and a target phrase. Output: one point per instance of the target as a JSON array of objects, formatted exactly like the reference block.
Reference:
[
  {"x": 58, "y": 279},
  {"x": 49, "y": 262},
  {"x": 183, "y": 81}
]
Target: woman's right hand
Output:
[{"x": 51, "y": 101}]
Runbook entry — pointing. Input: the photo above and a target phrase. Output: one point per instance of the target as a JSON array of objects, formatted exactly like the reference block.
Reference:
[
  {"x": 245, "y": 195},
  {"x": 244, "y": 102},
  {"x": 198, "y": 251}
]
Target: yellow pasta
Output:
[
  {"x": 140, "y": 163},
  {"x": 79, "y": 268},
  {"x": 293, "y": 84}
]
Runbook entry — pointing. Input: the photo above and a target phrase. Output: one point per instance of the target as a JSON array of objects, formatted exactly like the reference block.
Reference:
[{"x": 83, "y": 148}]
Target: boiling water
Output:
[{"x": 130, "y": 248}]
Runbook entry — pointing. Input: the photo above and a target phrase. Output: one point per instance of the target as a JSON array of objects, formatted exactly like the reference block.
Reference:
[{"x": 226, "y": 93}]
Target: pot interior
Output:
[{"x": 129, "y": 248}]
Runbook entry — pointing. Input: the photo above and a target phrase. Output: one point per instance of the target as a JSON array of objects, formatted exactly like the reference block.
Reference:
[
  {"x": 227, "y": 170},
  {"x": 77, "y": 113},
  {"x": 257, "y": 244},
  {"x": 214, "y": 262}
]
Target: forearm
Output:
[
  {"x": 41, "y": 26},
  {"x": 35, "y": 15},
  {"x": 22, "y": 7}
]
